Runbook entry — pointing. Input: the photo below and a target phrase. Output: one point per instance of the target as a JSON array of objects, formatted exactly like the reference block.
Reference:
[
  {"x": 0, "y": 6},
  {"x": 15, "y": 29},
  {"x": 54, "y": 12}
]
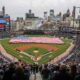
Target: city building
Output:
[
  {"x": 30, "y": 22},
  {"x": 45, "y": 16},
  {"x": 30, "y": 15}
]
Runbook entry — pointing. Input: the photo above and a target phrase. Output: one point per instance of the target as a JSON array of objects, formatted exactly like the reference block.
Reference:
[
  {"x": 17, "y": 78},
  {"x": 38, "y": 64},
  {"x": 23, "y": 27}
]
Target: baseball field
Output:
[{"x": 35, "y": 49}]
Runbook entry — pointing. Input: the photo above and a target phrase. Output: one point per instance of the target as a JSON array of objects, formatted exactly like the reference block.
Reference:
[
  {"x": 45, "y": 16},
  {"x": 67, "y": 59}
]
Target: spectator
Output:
[
  {"x": 77, "y": 77},
  {"x": 19, "y": 74},
  {"x": 27, "y": 73},
  {"x": 73, "y": 71},
  {"x": 9, "y": 73},
  {"x": 45, "y": 73}
]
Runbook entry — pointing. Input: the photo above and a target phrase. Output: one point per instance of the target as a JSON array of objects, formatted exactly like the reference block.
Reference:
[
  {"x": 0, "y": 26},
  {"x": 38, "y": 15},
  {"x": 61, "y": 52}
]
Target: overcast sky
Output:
[{"x": 18, "y": 8}]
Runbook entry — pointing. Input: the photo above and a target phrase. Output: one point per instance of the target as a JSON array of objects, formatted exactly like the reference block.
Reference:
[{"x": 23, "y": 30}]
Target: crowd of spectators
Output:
[
  {"x": 4, "y": 60},
  {"x": 22, "y": 71}
]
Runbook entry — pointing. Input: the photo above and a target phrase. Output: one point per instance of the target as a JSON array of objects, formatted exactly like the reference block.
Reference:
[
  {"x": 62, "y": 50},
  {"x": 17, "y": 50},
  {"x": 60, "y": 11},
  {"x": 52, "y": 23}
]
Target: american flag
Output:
[{"x": 54, "y": 40}]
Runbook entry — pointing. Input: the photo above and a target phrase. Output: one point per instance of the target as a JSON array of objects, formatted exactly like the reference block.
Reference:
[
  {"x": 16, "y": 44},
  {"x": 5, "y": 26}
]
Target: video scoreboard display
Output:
[
  {"x": 2, "y": 23},
  {"x": 5, "y": 23}
]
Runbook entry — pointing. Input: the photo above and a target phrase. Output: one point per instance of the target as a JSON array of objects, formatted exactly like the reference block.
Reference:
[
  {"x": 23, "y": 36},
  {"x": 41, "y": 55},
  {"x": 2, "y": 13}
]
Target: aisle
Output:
[{"x": 38, "y": 77}]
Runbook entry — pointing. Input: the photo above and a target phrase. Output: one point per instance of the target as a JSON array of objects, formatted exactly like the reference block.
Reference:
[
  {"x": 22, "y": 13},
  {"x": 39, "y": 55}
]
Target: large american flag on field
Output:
[{"x": 53, "y": 40}]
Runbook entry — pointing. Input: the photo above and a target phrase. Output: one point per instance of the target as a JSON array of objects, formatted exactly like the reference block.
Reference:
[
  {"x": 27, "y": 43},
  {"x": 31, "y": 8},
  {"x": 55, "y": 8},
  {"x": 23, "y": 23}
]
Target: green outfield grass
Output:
[{"x": 10, "y": 48}]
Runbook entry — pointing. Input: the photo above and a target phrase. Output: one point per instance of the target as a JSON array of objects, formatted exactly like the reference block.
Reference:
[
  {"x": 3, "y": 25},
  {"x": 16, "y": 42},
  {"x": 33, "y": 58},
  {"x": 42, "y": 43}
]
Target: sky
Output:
[{"x": 18, "y": 8}]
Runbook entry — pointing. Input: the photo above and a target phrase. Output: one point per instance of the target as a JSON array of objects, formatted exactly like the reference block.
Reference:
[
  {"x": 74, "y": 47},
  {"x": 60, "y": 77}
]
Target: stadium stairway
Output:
[{"x": 38, "y": 77}]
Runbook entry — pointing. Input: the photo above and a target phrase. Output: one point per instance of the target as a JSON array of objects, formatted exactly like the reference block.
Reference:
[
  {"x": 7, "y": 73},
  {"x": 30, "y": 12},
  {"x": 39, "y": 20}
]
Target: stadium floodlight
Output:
[
  {"x": 77, "y": 36},
  {"x": 79, "y": 10}
]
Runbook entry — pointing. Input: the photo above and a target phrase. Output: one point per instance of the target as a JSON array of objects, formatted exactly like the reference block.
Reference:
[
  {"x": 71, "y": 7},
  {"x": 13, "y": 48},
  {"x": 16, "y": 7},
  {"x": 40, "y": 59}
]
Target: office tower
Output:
[
  {"x": 51, "y": 12},
  {"x": 45, "y": 15}
]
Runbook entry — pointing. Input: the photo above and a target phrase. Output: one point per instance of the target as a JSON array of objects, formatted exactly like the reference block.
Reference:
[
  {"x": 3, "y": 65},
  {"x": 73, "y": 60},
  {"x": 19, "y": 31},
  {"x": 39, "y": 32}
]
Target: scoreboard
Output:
[
  {"x": 2, "y": 23},
  {"x": 5, "y": 23}
]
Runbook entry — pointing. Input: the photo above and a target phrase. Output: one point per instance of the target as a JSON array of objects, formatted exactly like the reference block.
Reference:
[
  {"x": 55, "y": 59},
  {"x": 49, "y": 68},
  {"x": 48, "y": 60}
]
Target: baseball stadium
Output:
[{"x": 37, "y": 48}]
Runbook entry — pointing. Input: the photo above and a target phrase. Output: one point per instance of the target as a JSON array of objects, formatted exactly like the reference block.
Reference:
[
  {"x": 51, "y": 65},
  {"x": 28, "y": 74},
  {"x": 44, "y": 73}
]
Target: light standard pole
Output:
[
  {"x": 74, "y": 14},
  {"x": 77, "y": 32},
  {"x": 79, "y": 24}
]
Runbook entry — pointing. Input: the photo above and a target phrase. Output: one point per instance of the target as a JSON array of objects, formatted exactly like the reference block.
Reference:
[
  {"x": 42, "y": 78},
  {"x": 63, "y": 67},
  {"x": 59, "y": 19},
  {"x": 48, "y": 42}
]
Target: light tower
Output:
[{"x": 51, "y": 12}]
